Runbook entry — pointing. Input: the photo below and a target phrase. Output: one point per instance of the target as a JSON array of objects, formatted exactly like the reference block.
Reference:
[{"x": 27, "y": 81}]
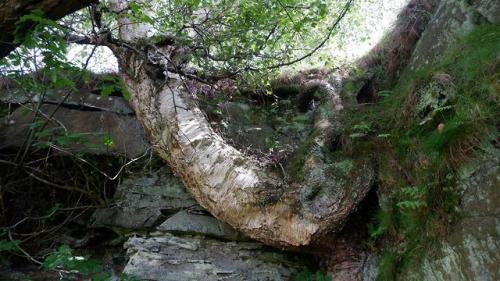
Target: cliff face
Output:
[
  {"x": 438, "y": 142},
  {"x": 471, "y": 249}
]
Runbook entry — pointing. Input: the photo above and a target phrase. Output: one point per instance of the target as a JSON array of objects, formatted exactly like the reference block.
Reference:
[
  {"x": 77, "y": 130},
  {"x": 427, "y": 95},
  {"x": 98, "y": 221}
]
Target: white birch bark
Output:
[{"x": 233, "y": 186}]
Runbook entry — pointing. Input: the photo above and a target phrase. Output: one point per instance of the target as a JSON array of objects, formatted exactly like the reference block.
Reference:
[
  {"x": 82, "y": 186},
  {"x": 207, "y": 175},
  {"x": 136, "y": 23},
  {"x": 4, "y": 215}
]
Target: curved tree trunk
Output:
[{"x": 233, "y": 186}]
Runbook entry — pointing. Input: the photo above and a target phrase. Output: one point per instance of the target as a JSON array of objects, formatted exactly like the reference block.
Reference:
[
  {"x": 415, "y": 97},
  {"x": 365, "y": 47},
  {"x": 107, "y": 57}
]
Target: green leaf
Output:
[
  {"x": 64, "y": 257},
  {"x": 107, "y": 90},
  {"x": 69, "y": 138},
  {"x": 8, "y": 246}
]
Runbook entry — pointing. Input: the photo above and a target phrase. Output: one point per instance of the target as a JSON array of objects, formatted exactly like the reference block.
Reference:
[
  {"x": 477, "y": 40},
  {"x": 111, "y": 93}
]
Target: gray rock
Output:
[
  {"x": 129, "y": 218},
  {"x": 472, "y": 250},
  {"x": 244, "y": 126},
  {"x": 159, "y": 189},
  {"x": 370, "y": 267},
  {"x": 451, "y": 20},
  {"x": 432, "y": 98},
  {"x": 168, "y": 257},
  {"x": 191, "y": 223},
  {"x": 100, "y": 132},
  {"x": 251, "y": 127},
  {"x": 85, "y": 99},
  {"x": 145, "y": 202},
  {"x": 490, "y": 9}
]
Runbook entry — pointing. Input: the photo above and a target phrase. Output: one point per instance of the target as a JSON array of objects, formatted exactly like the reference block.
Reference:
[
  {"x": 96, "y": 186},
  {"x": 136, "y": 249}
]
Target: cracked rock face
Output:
[
  {"x": 471, "y": 249},
  {"x": 85, "y": 100},
  {"x": 168, "y": 257},
  {"x": 188, "y": 244},
  {"x": 452, "y": 20},
  {"x": 145, "y": 202}
]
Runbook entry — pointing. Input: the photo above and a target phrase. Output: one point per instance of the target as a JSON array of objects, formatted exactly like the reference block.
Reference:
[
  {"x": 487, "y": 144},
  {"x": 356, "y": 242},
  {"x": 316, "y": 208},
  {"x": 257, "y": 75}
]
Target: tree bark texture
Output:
[
  {"x": 235, "y": 187},
  {"x": 12, "y": 10}
]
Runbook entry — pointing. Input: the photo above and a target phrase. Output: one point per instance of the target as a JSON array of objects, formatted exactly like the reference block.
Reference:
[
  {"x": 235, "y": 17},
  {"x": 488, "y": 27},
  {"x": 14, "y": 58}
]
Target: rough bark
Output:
[
  {"x": 233, "y": 186},
  {"x": 12, "y": 10}
]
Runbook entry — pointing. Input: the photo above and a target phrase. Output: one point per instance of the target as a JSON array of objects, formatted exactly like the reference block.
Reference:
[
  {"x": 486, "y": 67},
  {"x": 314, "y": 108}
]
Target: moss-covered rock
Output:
[{"x": 471, "y": 250}]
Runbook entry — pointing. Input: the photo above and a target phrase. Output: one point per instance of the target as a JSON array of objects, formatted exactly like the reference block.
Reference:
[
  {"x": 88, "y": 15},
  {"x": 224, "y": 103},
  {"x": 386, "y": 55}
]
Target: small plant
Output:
[
  {"x": 108, "y": 141},
  {"x": 382, "y": 222},
  {"x": 8, "y": 245},
  {"x": 307, "y": 275},
  {"x": 360, "y": 130},
  {"x": 64, "y": 258},
  {"x": 110, "y": 84},
  {"x": 67, "y": 262},
  {"x": 413, "y": 198}
]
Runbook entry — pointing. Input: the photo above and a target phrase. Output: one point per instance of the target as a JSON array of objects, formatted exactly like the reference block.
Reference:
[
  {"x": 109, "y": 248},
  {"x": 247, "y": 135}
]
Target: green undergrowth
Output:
[
  {"x": 421, "y": 132},
  {"x": 307, "y": 275},
  {"x": 72, "y": 266}
]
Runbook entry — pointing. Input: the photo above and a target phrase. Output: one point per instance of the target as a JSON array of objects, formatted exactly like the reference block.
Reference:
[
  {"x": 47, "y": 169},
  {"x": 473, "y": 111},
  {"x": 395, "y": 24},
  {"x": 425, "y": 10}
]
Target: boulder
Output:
[
  {"x": 186, "y": 222},
  {"x": 170, "y": 258},
  {"x": 93, "y": 132},
  {"x": 145, "y": 202}
]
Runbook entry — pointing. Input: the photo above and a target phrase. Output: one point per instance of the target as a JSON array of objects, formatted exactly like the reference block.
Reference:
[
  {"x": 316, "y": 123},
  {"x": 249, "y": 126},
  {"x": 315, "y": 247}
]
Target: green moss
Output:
[
  {"x": 426, "y": 143},
  {"x": 387, "y": 270}
]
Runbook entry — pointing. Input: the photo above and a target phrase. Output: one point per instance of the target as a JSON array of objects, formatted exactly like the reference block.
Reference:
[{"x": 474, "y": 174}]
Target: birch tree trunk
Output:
[{"x": 233, "y": 186}]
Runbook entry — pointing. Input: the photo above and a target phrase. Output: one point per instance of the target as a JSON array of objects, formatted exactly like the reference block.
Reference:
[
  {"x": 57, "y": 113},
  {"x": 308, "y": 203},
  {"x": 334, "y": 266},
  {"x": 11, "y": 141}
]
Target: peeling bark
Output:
[
  {"x": 233, "y": 186},
  {"x": 12, "y": 10}
]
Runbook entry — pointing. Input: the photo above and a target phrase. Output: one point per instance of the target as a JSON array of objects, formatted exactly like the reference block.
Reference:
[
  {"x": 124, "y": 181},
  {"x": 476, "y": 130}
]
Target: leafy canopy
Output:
[{"x": 236, "y": 36}]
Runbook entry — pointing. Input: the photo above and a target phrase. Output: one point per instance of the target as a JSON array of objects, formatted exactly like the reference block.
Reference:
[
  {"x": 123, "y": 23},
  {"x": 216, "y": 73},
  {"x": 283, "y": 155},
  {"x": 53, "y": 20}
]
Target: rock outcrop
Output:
[
  {"x": 181, "y": 241},
  {"x": 170, "y": 258},
  {"x": 97, "y": 124},
  {"x": 472, "y": 250},
  {"x": 452, "y": 20}
]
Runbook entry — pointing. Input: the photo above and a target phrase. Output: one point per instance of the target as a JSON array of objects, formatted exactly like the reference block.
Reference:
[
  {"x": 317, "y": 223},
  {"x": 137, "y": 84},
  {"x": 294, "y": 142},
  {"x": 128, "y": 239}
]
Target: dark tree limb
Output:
[{"x": 12, "y": 10}]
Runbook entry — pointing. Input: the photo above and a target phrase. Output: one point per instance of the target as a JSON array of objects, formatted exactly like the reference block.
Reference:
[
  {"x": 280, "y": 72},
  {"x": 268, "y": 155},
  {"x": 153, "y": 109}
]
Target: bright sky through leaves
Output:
[{"x": 360, "y": 31}]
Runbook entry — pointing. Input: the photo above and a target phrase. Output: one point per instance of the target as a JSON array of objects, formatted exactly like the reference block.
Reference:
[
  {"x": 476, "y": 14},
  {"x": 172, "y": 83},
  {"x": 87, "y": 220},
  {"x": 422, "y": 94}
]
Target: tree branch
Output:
[{"x": 12, "y": 10}]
